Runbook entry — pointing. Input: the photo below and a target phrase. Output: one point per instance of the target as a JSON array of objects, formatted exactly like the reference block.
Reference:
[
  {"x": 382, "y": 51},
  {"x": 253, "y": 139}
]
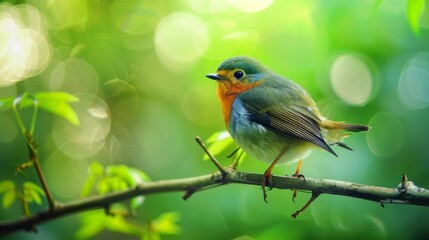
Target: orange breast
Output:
[{"x": 227, "y": 92}]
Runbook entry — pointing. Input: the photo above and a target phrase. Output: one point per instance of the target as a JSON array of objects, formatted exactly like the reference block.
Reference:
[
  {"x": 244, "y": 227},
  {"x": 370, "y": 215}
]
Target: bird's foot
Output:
[
  {"x": 295, "y": 192},
  {"x": 266, "y": 182}
]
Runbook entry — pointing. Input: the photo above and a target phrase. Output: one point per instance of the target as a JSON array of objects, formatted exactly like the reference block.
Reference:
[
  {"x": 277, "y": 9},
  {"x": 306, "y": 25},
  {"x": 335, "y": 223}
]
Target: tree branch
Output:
[
  {"x": 34, "y": 157},
  {"x": 405, "y": 193}
]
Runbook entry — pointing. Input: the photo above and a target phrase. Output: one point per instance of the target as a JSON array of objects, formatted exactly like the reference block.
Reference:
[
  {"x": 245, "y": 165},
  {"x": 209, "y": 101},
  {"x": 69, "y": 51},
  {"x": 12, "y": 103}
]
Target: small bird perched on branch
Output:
[{"x": 273, "y": 118}]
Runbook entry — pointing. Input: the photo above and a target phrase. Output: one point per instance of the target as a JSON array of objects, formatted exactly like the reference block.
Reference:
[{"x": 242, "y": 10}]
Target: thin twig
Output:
[
  {"x": 233, "y": 153},
  {"x": 212, "y": 158},
  {"x": 189, "y": 191},
  {"x": 32, "y": 149},
  {"x": 237, "y": 160},
  {"x": 34, "y": 117}
]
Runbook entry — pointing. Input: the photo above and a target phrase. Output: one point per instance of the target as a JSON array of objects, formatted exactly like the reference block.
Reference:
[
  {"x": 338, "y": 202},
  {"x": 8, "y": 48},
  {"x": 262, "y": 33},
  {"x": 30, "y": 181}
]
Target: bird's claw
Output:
[
  {"x": 266, "y": 182},
  {"x": 297, "y": 175},
  {"x": 294, "y": 195}
]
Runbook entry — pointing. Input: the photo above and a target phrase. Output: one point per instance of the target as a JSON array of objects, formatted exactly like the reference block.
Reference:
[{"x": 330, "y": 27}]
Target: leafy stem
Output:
[
  {"x": 24, "y": 204},
  {"x": 32, "y": 145},
  {"x": 56, "y": 103},
  {"x": 34, "y": 117},
  {"x": 18, "y": 117}
]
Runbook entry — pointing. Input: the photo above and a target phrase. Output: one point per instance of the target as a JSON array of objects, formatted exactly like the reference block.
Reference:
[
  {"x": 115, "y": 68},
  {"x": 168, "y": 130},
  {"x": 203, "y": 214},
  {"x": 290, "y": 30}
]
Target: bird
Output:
[{"x": 272, "y": 118}]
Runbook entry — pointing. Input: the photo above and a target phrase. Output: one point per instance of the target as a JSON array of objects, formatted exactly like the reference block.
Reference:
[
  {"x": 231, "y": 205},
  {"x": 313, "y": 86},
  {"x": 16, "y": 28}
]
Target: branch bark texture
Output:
[{"x": 405, "y": 193}]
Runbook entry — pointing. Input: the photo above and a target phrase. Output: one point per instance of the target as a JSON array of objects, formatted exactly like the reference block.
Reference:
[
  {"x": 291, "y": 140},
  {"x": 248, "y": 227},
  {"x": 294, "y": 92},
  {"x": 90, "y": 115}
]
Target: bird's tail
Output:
[
  {"x": 334, "y": 132},
  {"x": 344, "y": 126}
]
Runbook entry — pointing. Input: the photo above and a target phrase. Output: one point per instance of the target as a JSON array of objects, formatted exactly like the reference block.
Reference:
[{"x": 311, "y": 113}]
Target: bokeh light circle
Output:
[
  {"x": 180, "y": 40},
  {"x": 221, "y": 44},
  {"x": 208, "y": 6},
  {"x": 226, "y": 42},
  {"x": 74, "y": 75},
  {"x": 87, "y": 139},
  {"x": 136, "y": 22},
  {"x": 250, "y": 6},
  {"x": 413, "y": 85},
  {"x": 66, "y": 176},
  {"x": 199, "y": 104},
  {"x": 351, "y": 79},
  {"x": 30, "y": 17},
  {"x": 386, "y": 135},
  {"x": 100, "y": 49},
  {"x": 123, "y": 100},
  {"x": 136, "y": 17},
  {"x": 24, "y": 51},
  {"x": 66, "y": 14},
  {"x": 71, "y": 172}
]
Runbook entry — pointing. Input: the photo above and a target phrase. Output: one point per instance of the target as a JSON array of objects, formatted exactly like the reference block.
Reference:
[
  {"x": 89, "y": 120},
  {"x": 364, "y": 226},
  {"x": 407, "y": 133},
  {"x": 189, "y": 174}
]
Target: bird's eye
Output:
[{"x": 238, "y": 74}]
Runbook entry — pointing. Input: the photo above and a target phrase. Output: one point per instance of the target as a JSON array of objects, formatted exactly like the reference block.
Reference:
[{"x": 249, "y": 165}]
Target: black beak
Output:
[{"x": 216, "y": 77}]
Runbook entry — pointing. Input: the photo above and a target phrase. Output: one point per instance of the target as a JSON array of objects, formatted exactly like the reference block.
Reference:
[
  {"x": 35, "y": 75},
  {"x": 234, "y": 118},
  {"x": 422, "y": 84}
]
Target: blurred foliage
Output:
[
  {"x": 7, "y": 188},
  {"x": 414, "y": 12},
  {"x": 138, "y": 67},
  {"x": 29, "y": 193},
  {"x": 94, "y": 222},
  {"x": 219, "y": 142},
  {"x": 113, "y": 178},
  {"x": 116, "y": 178}
]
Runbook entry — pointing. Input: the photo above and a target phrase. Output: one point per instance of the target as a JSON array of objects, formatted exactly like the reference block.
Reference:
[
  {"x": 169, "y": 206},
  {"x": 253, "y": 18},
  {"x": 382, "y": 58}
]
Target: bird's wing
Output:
[{"x": 292, "y": 120}]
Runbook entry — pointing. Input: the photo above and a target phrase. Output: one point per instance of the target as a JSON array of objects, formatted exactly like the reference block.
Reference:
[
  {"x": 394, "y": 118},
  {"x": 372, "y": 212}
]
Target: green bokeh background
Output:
[{"x": 139, "y": 67}]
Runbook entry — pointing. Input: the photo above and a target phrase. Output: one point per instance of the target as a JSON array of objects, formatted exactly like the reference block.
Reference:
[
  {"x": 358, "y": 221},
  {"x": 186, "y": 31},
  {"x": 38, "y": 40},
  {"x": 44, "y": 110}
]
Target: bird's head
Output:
[
  {"x": 234, "y": 76},
  {"x": 238, "y": 74}
]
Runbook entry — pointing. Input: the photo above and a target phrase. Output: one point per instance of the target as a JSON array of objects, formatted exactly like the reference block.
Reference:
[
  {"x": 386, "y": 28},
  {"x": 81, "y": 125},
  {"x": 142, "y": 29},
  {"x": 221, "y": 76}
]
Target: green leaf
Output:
[
  {"x": 32, "y": 192},
  {"x": 88, "y": 185},
  {"x": 151, "y": 236},
  {"x": 9, "y": 193},
  {"x": 219, "y": 142},
  {"x": 137, "y": 202},
  {"x": 92, "y": 224},
  {"x": 54, "y": 102},
  {"x": 103, "y": 186},
  {"x": 56, "y": 96},
  {"x": 114, "y": 178},
  {"x": 6, "y": 185},
  {"x": 25, "y": 100},
  {"x": 57, "y": 104},
  {"x": 414, "y": 12},
  {"x": 166, "y": 223},
  {"x": 122, "y": 172},
  {"x": 217, "y": 136},
  {"x": 119, "y": 184},
  {"x": 34, "y": 187},
  {"x": 6, "y": 103},
  {"x": 119, "y": 224},
  {"x": 8, "y": 198},
  {"x": 96, "y": 169},
  {"x": 32, "y": 196},
  {"x": 138, "y": 175}
]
